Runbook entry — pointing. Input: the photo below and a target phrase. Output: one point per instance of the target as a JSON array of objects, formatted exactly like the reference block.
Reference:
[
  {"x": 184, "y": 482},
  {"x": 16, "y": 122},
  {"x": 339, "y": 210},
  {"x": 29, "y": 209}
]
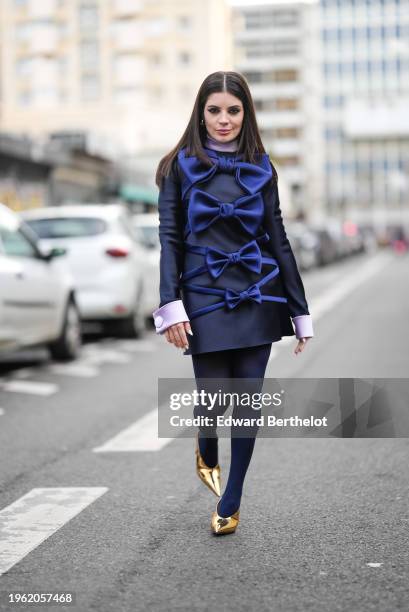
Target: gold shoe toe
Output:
[{"x": 222, "y": 525}]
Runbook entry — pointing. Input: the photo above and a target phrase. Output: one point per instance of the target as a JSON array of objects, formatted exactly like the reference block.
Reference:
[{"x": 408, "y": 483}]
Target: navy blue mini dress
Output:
[{"x": 225, "y": 253}]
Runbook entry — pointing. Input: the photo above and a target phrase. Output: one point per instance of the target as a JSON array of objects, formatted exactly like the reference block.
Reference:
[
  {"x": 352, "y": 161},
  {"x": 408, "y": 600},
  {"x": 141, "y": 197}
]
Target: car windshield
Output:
[{"x": 69, "y": 227}]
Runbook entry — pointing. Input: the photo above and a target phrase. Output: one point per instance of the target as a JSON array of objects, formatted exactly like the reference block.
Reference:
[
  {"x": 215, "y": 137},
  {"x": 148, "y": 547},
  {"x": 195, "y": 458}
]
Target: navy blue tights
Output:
[{"x": 249, "y": 362}]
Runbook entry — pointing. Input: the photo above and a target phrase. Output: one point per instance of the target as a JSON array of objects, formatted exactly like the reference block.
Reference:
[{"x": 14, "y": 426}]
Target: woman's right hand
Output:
[{"x": 176, "y": 334}]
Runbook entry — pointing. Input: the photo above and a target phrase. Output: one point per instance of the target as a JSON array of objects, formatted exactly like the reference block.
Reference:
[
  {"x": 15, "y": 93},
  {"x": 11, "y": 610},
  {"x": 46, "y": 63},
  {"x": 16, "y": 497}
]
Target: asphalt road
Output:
[{"x": 323, "y": 523}]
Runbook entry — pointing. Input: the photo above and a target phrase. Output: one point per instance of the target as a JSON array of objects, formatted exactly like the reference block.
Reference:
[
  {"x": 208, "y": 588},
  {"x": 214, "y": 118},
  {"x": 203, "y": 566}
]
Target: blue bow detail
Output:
[
  {"x": 251, "y": 177},
  {"x": 204, "y": 209},
  {"x": 233, "y": 298},
  {"x": 249, "y": 255}
]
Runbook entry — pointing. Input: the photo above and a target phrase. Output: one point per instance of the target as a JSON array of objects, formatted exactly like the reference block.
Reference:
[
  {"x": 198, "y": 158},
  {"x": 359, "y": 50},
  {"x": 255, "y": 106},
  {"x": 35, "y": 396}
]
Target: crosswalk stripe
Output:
[
  {"x": 137, "y": 346},
  {"x": 28, "y": 386},
  {"x": 140, "y": 436},
  {"x": 95, "y": 356},
  {"x": 34, "y": 517},
  {"x": 80, "y": 368}
]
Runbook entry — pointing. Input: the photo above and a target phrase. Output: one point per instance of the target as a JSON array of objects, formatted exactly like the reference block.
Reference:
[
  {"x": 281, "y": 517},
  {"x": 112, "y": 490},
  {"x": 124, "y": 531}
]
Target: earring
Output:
[{"x": 202, "y": 122}]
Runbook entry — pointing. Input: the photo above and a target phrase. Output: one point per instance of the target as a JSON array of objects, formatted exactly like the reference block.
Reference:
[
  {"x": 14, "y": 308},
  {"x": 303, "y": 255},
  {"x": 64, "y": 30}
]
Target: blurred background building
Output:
[
  {"x": 103, "y": 88},
  {"x": 276, "y": 47},
  {"x": 120, "y": 75},
  {"x": 119, "y": 68},
  {"x": 365, "y": 65}
]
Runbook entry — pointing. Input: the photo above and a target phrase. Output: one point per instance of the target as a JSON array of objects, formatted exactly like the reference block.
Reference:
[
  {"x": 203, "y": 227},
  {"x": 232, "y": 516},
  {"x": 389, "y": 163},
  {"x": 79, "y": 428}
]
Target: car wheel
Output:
[{"x": 68, "y": 345}]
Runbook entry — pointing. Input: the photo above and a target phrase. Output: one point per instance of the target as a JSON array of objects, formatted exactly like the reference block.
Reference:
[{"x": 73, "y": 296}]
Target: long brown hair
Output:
[{"x": 250, "y": 145}]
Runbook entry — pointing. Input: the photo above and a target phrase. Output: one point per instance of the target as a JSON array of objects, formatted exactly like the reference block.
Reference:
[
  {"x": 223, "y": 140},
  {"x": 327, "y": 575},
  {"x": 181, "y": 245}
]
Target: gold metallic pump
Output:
[
  {"x": 222, "y": 525},
  {"x": 209, "y": 475}
]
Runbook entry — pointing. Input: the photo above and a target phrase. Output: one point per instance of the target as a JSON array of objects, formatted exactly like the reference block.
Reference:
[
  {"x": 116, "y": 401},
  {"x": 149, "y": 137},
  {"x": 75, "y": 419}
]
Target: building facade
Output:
[
  {"x": 127, "y": 70},
  {"x": 365, "y": 67},
  {"x": 277, "y": 47}
]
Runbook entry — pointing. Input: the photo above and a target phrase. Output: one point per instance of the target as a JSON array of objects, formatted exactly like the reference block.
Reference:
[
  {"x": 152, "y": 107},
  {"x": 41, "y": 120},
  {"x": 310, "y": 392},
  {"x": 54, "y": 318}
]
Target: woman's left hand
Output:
[{"x": 301, "y": 344}]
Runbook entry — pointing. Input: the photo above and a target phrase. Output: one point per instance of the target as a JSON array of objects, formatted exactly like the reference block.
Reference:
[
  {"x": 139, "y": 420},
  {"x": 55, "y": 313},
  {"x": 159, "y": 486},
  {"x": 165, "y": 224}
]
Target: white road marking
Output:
[
  {"x": 140, "y": 436},
  {"x": 136, "y": 346},
  {"x": 33, "y": 518},
  {"x": 328, "y": 300},
  {"x": 85, "y": 367},
  {"x": 23, "y": 373},
  {"x": 80, "y": 368},
  {"x": 26, "y": 386},
  {"x": 374, "y": 564},
  {"x": 95, "y": 356}
]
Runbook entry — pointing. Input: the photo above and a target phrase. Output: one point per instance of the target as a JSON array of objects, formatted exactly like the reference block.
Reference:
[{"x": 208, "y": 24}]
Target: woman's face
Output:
[{"x": 223, "y": 115}]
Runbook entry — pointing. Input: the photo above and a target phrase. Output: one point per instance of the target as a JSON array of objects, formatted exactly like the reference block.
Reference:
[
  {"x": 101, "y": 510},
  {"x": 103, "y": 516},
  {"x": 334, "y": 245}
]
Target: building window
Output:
[
  {"x": 285, "y": 75},
  {"x": 332, "y": 133},
  {"x": 24, "y": 66},
  {"x": 127, "y": 69},
  {"x": 155, "y": 59},
  {"x": 156, "y": 27},
  {"x": 184, "y": 58},
  {"x": 261, "y": 48},
  {"x": 268, "y": 19},
  {"x": 184, "y": 22},
  {"x": 126, "y": 95},
  {"x": 289, "y": 161},
  {"x": 90, "y": 87},
  {"x": 257, "y": 19},
  {"x": 288, "y": 132},
  {"x": 286, "y": 104},
  {"x": 156, "y": 93},
  {"x": 253, "y": 77},
  {"x": 88, "y": 17},
  {"x": 286, "y": 18},
  {"x": 127, "y": 34},
  {"x": 24, "y": 98},
  {"x": 89, "y": 55}
]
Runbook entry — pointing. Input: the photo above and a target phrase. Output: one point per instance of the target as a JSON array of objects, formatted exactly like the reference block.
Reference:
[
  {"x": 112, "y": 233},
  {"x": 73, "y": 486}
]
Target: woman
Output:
[{"x": 228, "y": 276}]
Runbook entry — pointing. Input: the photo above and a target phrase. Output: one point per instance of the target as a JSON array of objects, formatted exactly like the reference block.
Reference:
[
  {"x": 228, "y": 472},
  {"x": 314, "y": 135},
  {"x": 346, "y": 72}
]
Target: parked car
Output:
[
  {"x": 328, "y": 250},
  {"x": 106, "y": 262},
  {"x": 37, "y": 298},
  {"x": 352, "y": 237},
  {"x": 307, "y": 244},
  {"x": 146, "y": 232},
  {"x": 368, "y": 237}
]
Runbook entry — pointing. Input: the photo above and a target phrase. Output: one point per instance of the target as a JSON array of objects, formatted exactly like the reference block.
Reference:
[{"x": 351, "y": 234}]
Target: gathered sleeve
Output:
[
  {"x": 171, "y": 309},
  {"x": 283, "y": 253}
]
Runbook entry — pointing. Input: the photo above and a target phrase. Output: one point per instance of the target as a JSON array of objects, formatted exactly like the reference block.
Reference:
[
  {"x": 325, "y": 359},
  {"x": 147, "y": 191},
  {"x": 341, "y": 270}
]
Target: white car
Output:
[
  {"x": 146, "y": 232},
  {"x": 104, "y": 259},
  {"x": 37, "y": 297}
]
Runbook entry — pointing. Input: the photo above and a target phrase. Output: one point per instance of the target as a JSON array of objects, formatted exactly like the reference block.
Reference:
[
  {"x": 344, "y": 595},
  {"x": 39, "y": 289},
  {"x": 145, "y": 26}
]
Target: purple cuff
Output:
[
  {"x": 303, "y": 326},
  {"x": 169, "y": 314}
]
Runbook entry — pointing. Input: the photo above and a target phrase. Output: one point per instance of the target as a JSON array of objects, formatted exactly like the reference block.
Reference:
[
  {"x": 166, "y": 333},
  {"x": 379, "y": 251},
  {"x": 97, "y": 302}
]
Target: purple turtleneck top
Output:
[{"x": 228, "y": 147}]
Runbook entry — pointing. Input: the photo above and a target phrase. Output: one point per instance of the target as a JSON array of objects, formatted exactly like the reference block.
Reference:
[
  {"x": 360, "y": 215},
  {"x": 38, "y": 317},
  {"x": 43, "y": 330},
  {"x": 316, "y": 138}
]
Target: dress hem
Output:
[{"x": 246, "y": 345}]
